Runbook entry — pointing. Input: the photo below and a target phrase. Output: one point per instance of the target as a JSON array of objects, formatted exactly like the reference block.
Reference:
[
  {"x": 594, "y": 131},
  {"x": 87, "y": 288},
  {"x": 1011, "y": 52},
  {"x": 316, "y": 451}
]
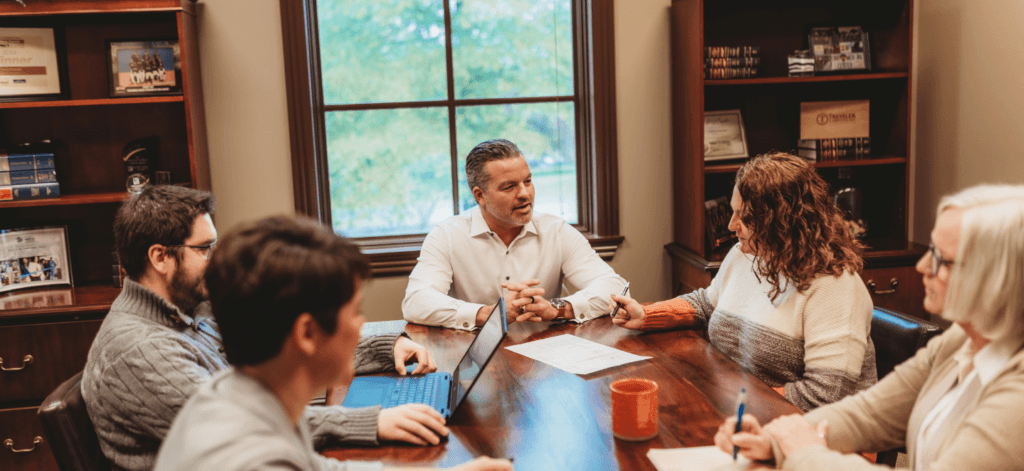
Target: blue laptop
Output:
[{"x": 442, "y": 391}]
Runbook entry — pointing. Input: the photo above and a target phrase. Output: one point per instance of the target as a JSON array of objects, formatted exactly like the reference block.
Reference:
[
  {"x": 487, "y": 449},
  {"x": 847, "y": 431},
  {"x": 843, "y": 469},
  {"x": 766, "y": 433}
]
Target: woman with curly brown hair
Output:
[{"x": 787, "y": 303}]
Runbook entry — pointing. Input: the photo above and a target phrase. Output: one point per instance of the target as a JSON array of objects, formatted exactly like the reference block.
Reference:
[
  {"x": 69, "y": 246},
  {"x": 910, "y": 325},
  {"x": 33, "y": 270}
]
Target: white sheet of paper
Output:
[
  {"x": 573, "y": 354},
  {"x": 694, "y": 459}
]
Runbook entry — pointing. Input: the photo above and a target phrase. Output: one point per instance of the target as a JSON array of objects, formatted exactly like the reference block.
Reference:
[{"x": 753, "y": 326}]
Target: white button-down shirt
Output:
[{"x": 463, "y": 263}]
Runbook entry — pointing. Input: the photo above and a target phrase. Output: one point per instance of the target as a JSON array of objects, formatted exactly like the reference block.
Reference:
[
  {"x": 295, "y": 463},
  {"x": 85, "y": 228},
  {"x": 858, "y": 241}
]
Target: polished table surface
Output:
[{"x": 549, "y": 419}]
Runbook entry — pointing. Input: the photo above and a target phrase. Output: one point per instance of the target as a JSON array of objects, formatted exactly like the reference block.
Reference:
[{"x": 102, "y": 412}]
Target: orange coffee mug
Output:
[{"x": 634, "y": 409}]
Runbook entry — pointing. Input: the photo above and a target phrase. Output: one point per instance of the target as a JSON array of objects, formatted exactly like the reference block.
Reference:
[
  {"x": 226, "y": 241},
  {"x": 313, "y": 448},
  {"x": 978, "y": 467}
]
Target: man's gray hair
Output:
[
  {"x": 985, "y": 284},
  {"x": 487, "y": 151}
]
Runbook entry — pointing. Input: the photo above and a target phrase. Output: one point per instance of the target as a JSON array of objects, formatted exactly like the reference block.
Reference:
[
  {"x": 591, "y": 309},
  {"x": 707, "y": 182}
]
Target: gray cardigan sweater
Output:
[{"x": 143, "y": 366}]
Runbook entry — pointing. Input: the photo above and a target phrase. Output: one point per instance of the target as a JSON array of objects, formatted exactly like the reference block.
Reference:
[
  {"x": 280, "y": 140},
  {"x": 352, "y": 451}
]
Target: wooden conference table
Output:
[{"x": 548, "y": 419}]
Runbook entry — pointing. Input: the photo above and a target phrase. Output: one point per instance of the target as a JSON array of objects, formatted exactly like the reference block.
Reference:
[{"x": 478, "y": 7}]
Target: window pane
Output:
[
  {"x": 390, "y": 170},
  {"x": 382, "y": 50},
  {"x": 512, "y": 48},
  {"x": 545, "y": 132}
]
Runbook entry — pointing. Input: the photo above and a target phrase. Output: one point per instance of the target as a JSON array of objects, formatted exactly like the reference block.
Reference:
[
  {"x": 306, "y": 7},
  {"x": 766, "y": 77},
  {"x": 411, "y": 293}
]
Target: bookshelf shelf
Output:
[
  {"x": 91, "y": 102},
  {"x": 733, "y": 167},
  {"x": 815, "y": 79},
  {"x": 69, "y": 200},
  {"x": 90, "y": 298}
]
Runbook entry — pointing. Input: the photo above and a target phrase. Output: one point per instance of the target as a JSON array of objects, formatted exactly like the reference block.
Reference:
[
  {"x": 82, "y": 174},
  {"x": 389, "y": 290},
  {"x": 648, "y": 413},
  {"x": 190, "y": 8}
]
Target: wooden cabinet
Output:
[
  {"x": 89, "y": 131},
  {"x": 770, "y": 106}
]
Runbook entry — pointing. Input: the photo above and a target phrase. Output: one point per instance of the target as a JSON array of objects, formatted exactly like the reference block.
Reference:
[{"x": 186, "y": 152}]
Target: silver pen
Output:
[{"x": 619, "y": 305}]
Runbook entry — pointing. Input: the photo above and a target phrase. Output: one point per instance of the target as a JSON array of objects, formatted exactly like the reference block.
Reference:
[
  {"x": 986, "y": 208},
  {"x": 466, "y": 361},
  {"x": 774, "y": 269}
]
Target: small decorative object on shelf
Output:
[
  {"x": 144, "y": 68},
  {"x": 717, "y": 213},
  {"x": 850, "y": 200},
  {"x": 141, "y": 157},
  {"x": 801, "y": 63},
  {"x": 34, "y": 257},
  {"x": 838, "y": 49},
  {"x": 722, "y": 62},
  {"x": 831, "y": 150},
  {"x": 28, "y": 64},
  {"x": 724, "y": 136}
]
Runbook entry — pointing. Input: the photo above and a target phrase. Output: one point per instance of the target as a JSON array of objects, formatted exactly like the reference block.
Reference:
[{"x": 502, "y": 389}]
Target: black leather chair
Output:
[
  {"x": 69, "y": 429},
  {"x": 897, "y": 337}
]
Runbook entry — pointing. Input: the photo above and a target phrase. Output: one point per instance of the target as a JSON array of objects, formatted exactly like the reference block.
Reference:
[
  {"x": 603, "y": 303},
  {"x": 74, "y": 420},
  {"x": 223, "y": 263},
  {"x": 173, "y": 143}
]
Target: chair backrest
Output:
[
  {"x": 69, "y": 429},
  {"x": 897, "y": 337}
]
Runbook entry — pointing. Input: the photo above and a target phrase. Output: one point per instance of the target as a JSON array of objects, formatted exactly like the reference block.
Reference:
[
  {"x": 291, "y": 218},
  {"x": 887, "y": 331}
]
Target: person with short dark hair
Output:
[
  {"x": 787, "y": 302},
  {"x": 468, "y": 261},
  {"x": 286, "y": 293},
  {"x": 159, "y": 341}
]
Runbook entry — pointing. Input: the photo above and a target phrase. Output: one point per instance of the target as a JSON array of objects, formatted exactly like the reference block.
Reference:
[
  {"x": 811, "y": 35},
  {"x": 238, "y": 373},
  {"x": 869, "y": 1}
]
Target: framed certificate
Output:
[
  {"x": 28, "y": 64},
  {"x": 724, "y": 136},
  {"x": 35, "y": 257}
]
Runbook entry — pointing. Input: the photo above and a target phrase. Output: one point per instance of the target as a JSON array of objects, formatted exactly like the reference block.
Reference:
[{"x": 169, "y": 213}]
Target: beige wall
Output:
[
  {"x": 970, "y": 100},
  {"x": 243, "y": 78}
]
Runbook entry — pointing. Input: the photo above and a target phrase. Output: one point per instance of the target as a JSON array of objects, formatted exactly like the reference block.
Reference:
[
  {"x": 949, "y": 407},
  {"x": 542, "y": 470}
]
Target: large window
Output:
[{"x": 388, "y": 96}]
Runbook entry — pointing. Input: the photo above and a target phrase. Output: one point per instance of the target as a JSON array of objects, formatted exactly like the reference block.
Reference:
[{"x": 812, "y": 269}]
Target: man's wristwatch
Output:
[{"x": 559, "y": 304}]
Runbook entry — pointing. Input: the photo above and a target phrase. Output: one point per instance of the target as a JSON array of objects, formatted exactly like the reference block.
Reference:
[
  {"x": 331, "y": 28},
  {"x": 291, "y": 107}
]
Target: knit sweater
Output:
[
  {"x": 889, "y": 415},
  {"x": 234, "y": 423},
  {"x": 143, "y": 366},
  {"x": 815, "y": 343}
]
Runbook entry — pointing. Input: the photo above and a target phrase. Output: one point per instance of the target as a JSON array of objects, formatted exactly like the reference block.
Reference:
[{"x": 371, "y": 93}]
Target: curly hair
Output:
[{"x": 796, "y": 229}]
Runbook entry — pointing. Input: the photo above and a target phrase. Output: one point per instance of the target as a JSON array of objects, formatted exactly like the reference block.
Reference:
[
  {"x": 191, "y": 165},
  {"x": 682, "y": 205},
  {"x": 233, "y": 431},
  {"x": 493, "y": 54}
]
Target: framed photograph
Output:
[
  {"x": 28, "y": 64},
  {"x": 840, "y": 49},
  {"x": 144, "y": 68},
  {"x": 34, "y": 257},
  {"x": 724, "y": 136}
]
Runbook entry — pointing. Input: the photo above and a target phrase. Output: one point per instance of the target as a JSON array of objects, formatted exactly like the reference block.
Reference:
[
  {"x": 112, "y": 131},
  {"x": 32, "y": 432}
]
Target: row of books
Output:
[
  {"x": 724, "y": 62},
  {"x": 28, "y": 177},
  {"x": 832, "y": 150}
]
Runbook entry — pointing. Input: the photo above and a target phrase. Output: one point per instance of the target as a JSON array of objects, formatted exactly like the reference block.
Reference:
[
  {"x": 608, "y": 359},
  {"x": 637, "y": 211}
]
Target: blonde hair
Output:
[{"x": 986, "y": 284}]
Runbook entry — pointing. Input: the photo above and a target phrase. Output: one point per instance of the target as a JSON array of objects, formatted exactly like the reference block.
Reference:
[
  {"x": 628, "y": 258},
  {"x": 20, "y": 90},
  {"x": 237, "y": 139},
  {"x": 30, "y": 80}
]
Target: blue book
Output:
[
  {"x": 18, "y": 162},
  {"x": 29, "y": 192},
  {"x": 28, "y": 177}
]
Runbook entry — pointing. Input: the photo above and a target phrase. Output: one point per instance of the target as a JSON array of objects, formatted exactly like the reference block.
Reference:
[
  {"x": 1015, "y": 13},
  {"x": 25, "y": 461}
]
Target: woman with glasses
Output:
[
  {"x": 787, "y": 303},
  {"x": 959, "y": 402}
]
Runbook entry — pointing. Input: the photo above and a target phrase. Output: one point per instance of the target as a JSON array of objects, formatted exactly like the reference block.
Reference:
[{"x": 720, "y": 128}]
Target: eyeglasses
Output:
[
  {"x": 937, "y": 260},
  {"x": 204, "y": 250}
]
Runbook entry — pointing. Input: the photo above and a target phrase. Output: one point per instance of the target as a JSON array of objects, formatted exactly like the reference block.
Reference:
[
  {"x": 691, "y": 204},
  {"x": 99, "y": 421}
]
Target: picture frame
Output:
[
  {"x": 838, "y": 49},
  {"x": 30, "y": 67},
  {"x": 34, "y": 257},
  {"x": 148, "y": 67},
  {"x": 724, "y": 135}
]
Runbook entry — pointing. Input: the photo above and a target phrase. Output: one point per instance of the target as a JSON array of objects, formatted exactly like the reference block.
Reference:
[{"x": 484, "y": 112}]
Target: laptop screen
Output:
[{"x": 480, "y": 351}]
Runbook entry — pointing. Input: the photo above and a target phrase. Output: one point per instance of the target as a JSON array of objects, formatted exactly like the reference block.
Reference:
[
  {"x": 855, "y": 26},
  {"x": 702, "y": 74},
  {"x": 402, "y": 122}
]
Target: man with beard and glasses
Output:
[
  {"x": 159, "y": 342},
  {"x": 470, "y": 260}
]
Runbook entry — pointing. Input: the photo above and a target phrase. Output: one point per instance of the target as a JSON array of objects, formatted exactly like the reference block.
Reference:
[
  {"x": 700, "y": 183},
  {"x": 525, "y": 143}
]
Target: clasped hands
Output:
[
  {"x": 792, "y": 432},
  {"x": 525, "y": 301}
]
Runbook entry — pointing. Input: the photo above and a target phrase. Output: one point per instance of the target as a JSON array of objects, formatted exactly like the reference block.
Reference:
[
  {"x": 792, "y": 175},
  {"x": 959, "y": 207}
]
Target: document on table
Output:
[
  {"x": 573, "y": 354},
  {"x": 700, "y": 458}
]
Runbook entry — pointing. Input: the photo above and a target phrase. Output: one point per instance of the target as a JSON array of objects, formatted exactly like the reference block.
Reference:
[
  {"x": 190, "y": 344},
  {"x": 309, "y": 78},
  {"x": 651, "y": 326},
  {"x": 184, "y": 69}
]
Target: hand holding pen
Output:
[{"x": 628, "y": 313}]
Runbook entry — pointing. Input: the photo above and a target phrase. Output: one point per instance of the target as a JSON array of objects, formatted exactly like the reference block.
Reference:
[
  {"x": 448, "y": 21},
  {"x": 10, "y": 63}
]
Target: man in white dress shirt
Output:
[{"x": 468, "y": 259}]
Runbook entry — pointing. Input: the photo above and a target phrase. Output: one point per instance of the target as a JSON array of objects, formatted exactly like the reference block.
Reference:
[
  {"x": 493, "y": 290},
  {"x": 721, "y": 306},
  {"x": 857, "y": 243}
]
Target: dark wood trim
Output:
[
  {"x": 453, "y": 103},
  {"x": 74, "y": 7},
  {"x": 604, "y": 132},
  {"x": 302, "y": 79},
  {"x": 597, "y": 140}
]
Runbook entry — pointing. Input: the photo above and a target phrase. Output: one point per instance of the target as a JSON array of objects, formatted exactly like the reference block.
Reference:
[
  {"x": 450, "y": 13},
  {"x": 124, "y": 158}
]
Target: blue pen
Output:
[{"x": 741, "y": 403}]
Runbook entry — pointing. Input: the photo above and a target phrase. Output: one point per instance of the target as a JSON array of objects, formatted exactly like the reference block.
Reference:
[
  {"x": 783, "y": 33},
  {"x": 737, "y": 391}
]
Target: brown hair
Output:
[
  {"x": 160, "y": 214},
  {"x": 795, "y": 227},
  {"x": 266, "y": 273},
  {"x": 487, "y": 151}
]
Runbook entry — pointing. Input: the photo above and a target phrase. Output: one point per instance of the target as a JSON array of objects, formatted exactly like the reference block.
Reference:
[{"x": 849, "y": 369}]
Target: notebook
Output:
[{"x": 442, "y": 391}]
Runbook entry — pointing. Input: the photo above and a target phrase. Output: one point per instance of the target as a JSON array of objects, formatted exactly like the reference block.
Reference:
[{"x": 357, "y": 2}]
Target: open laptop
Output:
[{"x": 442, "y": 391}]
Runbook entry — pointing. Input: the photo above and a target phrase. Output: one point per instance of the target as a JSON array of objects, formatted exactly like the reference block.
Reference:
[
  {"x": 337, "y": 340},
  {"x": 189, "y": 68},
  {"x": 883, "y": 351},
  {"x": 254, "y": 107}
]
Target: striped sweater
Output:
[
  {"x": 143, "y": 366},
  {"x": 815, "y": 344}
]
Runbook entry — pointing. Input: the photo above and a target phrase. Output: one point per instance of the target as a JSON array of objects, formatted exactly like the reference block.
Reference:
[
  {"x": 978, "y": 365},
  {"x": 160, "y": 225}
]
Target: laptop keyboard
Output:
[{"x": 414, "y": 390}]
